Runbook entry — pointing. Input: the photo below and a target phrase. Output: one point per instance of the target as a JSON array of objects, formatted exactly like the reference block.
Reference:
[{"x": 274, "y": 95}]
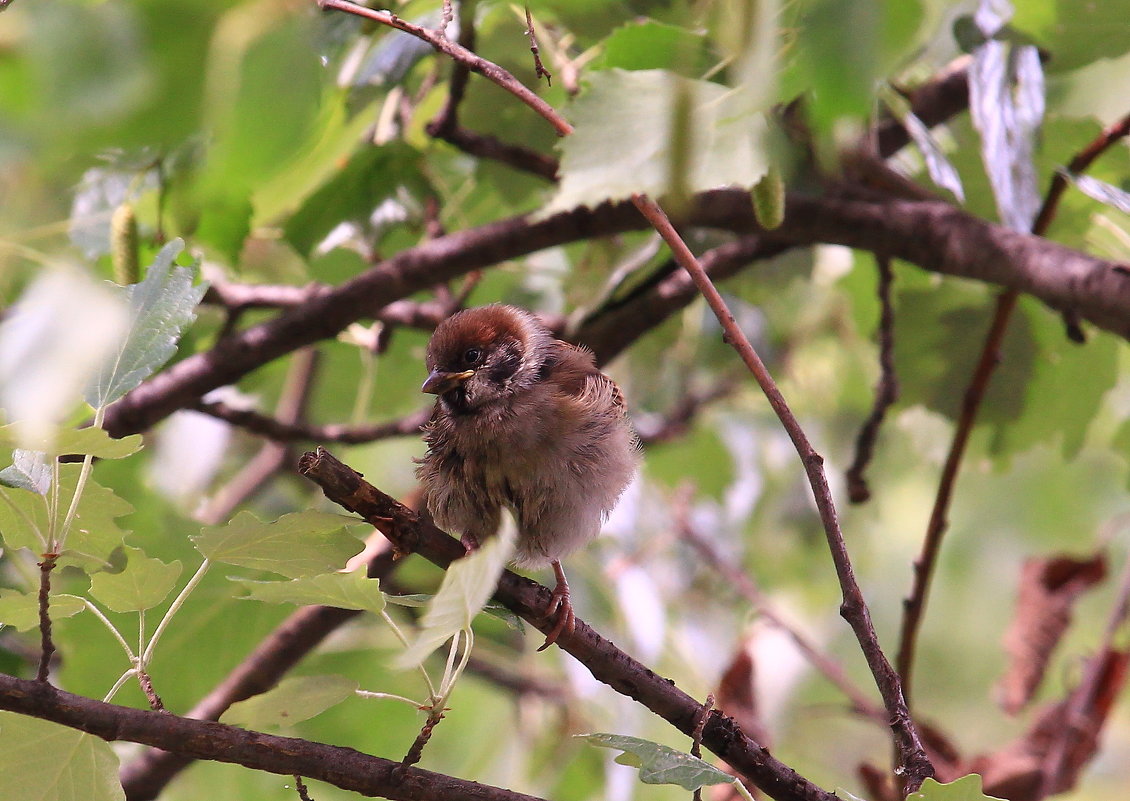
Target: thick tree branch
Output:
[
  {"x": 932, "y": 234},
  {"x": 529, "y": 600},
  {"x": 200, "y": 739}
]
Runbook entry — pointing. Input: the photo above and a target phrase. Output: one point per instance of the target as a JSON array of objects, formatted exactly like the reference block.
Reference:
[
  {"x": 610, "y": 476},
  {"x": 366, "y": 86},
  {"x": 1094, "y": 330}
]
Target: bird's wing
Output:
[{"x": 575, "y": 370}]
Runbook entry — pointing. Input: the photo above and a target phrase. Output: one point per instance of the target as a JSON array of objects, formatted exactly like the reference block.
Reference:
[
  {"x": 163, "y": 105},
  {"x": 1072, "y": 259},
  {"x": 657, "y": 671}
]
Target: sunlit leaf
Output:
[
  {"x": 1006, "y": 102},
  {"x": 51, "y": 342},
  {"x": 29, "y": 470},
  {"x": 43, "y": 761},
  {"x": 295, "y": 545},
  {"x": 622, "y": 142},
  {"x": 660, "y": 764},
  {"x": 142, "y": 584},
  {"x": 941, "y": 171},
  {"x": 161, "y": 307},
  {"x": 467, "y": 585},
  {"x": 967, "y": 788},
  {"x": 94, "y": 533},
  {"x": 20, "y": 610},
  {"x": 1102, "y": 191},
  {"x": 294, "y": 700},
  {"x": 81, "y": 441},
  {"x": 341, "y": 590}
]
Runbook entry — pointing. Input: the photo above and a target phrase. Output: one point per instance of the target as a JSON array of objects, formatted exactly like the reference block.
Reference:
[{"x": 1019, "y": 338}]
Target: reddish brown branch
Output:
[
  {"x": 282, "y": 431},
  {"x": 529, "y": 600},
  {"x": 886, "y": 393},
  {"x": 914, "y": 606},
  {"x": 914, "y": 765},
  {"x": 488, "y": 69},
  {"x": 201, "y": 739}
]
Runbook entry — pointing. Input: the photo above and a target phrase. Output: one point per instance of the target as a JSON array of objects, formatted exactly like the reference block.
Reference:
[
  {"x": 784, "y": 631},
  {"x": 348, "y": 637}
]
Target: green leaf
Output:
[
  {"x": 43, "y": 761},
  {"x": 651, "y": 45},
  {"x": 80, "y": 441},
  {"x": 94, "y": 533},
  {"x": 29, "y": 470},
  {"x": 660, "y": 764},
  {"x": 341, "y": 590},
  {"x": 967, "y": 788},
  {"x": 142, "y": 584},
  {"x": 20, "y": 610},
  {"x": 467, "y": 586},
  {"x": 622, "y": 142},
  {"x": 295, "y": 545},
  {"x": 161, "y": 307},
  {"x": 294, "y": 700},
  {"x": 372, "y": 175}
]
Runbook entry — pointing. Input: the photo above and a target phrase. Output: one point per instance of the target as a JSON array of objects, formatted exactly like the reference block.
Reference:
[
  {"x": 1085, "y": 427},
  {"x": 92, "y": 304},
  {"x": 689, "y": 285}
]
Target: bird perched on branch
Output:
[{"x": 525, "y": 422}]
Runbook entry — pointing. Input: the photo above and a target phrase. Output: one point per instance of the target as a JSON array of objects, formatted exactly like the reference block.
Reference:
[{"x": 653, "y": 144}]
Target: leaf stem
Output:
[
  {"x": 173, "y": 609},
  {"x": 113, "y": 630}
]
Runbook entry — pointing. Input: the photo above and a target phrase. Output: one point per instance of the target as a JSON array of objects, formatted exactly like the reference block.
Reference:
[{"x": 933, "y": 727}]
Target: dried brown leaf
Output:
[{"x": 1049, "y": 588}]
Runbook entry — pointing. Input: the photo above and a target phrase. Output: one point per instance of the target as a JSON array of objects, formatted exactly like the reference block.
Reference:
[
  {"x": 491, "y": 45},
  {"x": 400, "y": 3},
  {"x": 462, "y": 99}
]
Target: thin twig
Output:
[
  {"x": 914, "y": 764},
  {"x": 742, "y": 582},
  {"x": 915, "y": 603},
  {"x": 301, "y": 789},
  {"x": 886, "y": 392},
  {"x": 696, "y": 736},
  {"x": 46, "y": 644},
  {"x": 281, "y": 431},
  {"x": 473, "y": 62},
  {"x": 146, "y": 682},
  {"x": 539, "y": 68}
]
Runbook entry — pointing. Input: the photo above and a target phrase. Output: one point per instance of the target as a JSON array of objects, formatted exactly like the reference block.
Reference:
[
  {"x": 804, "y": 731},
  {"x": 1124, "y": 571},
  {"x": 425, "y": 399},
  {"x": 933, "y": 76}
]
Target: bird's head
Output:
[{"x": 484, "y": 355}]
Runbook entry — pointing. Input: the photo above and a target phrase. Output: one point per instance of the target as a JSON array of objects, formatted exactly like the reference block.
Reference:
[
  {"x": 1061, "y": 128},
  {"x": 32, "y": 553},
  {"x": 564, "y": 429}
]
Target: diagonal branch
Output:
[{"x": 529, "y": 600}]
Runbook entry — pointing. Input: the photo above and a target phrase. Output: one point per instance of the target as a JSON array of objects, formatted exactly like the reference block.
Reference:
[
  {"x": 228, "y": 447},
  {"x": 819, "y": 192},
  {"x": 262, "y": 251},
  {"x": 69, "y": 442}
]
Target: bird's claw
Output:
[{"x": 560, "y": 608}]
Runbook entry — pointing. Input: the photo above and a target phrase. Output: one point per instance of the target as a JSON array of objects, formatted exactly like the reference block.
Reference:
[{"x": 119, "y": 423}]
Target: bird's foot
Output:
[
  {"x": 560, "y": 608},
  {"x": 470, "y": 543}
]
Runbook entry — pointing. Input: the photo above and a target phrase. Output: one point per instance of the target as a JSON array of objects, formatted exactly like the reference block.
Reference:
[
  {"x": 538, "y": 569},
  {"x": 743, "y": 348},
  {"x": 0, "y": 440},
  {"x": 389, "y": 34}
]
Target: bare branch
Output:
[{"x": 202, "y": 739}]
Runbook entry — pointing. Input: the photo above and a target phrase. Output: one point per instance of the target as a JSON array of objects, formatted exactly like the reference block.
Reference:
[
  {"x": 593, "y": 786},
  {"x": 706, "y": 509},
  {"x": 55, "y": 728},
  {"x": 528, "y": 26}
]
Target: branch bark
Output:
[
  {"x": 931, "y": 234},
  {"x": 201, "y": 739}
]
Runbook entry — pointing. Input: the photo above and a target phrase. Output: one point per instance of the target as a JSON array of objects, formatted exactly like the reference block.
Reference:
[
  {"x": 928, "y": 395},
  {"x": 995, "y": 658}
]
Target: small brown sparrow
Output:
[{"x": 525, "y": 422}]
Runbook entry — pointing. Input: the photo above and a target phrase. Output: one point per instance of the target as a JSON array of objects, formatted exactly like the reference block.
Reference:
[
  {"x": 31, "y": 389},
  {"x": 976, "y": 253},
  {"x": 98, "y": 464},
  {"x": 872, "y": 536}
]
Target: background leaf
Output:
[
  {"x": 29, "y": 471},
  {"x": 44, "y": 761},
  {"x": 20, "y": 610},
  {"x": 294, "y": 700}
]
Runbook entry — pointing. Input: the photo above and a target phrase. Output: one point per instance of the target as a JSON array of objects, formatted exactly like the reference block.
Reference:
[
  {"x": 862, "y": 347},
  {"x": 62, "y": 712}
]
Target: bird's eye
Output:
[{"x": 472, "y": 355}]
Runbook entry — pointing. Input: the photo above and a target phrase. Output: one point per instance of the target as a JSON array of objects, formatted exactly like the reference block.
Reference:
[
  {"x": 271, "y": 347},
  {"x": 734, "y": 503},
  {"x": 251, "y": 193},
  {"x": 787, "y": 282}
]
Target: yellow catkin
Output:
[{"x": 123, "y": 245}]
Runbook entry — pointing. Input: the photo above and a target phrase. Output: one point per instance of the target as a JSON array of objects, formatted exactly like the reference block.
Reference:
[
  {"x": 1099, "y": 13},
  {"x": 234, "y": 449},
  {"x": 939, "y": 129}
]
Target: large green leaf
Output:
[
  {"x": 81, "y": 441},
  {"x": 342, "y": 590},
  {"x": 623, "y": 139},
  {"x": 94, "y": 533},
  {"x": 295, "y": 545},
  {"x": 294, "y": 700},
  {"x": 371, "y": 176},
  {"x": 43, "y": 761},
  {"x": 161, "y": 307},
  {"x": 141, "y": 584}
]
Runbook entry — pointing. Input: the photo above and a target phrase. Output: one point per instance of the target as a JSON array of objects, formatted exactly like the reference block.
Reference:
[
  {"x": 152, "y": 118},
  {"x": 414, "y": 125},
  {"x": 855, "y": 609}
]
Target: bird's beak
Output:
[{"x": 440, "y": 381}]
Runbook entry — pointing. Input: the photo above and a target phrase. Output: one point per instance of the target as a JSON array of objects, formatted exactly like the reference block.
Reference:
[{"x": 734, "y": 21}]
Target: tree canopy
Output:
[{"x": 862, "y": 270}]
